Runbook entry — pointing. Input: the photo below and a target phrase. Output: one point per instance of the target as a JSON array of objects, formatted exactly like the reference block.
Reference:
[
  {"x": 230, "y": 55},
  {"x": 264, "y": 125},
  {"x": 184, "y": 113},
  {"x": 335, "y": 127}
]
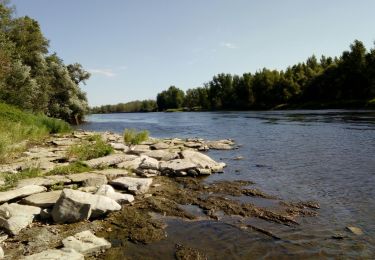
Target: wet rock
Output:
[
  {"x": 149, "y": 163},
  {"x": 202, "y": 160},
  {"x": 109, "y": 191},
  {"x": 133, "y": 185},
  {"x": 74, "y": 206},
  {"x": 88, "y": 179},
  {"x": 20, "y": 193},
  {"x": 86, "y": 243},
  {"x": 355, "y": 230},
  {"x": 162, "y": 155},
  {"x": 111, "y": 174},
  {"x": 159, "y": 146},
  {"x": 56, "y": 254},
  {"x": 43, "y": 200},
  {"x": 220, "y": 145},
  {"x": 147, "y": 172},
  {"x": 108, "y": 160},
  {"x": 15, "y": 217}
]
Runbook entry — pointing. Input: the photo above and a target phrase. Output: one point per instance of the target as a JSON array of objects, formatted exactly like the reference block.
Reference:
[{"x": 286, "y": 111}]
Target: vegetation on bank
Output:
[
  {"x": 18, "y": 127},
  {"x": 91, "y": 148},
  {"x": 132, "y": 137},
  {"x": 130, "y": 107},
  {"x": 33, "y": 79}
]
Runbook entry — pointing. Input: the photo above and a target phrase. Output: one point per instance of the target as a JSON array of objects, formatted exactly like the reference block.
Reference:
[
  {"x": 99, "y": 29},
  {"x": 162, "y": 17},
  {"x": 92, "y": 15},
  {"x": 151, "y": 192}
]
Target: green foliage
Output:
[
  {"x": 11, "y": 179},
  {"x": 17, "y": 126},
  {"x": 76, "y": 167},
  {"x": 131, "y": 136},
  {"x": 171, "y": 98},
  {"x": 87, "y": 150},
  {"x": 134, "y": 106},
  {"x": 33, "y": 80}
]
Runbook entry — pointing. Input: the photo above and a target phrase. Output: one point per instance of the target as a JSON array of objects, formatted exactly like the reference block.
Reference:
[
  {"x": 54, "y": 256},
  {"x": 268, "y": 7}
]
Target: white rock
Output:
[
  {"x": 163, "y": 155},
  {"x": 43, "y": 200},
  {"x": 202, "y": 161},
  {"x": 177, "y": 165},
  {"x": 149, "y": 163},
  {"x": 120, "y": 146},
  {"x": 15, "y": 217},
  {"x": 74, "y": 206},
  {"x": 133, "y": 185},
  {"x": 113, "y": 173},
  {"x": 86, "y": 243},
  {"x": 56, "y": 254},
  {"x": 20, "y": 193},
  {"x": 88, "y": 179},
  {"x": 138, "y": 149},
  {"x": 159, "y": 146},
  {"x": 109, "y": 191},
  {"x": 133, "y": 164},
  {"x": 1, "y": 253}
]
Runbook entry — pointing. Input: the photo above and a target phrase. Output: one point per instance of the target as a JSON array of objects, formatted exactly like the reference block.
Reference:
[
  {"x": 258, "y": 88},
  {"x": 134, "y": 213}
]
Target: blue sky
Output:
[{"x": 136, "y": 48}]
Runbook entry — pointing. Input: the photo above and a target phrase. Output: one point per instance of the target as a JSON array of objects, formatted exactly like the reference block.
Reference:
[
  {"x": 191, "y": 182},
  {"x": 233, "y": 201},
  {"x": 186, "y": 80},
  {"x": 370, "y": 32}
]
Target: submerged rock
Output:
[
  {"x": 15, "y": 217},
  {"x": 355, "y": 230},
  {"x": 74, "y": 206},
  {"x": 133, "y": 185},
  {"x": 86, "y": 243},
  {"x": 56, "y": 254},
  {"x": 20, "y": 193}
]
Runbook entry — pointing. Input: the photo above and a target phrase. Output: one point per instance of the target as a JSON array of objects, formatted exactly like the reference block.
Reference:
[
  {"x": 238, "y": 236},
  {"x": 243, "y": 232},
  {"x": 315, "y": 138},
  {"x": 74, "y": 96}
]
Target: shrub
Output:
[
  {"x": 76, "y": 167},
  {"x": 87, "y": 150},
  {"x": 133, "y": 137}
]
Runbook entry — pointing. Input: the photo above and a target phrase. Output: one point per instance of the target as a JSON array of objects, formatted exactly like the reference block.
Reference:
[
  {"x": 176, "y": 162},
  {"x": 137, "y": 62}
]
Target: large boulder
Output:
[
  {"x": 202, "y": 161},
  {"x": 130, "y": 165},
  {"x": 133, "y": 185},
  {"x": 15, "y": 217},
  {"x": 43, "y": 200},
  {"x": 56, "y": 254},
  {"x": 86, "y": 243},
  {"x": 149, "y": 163},
  {"x": 20, "y": 192},
  {"x": 74, "y": 206},
  {"x": 109, "y": 191}
]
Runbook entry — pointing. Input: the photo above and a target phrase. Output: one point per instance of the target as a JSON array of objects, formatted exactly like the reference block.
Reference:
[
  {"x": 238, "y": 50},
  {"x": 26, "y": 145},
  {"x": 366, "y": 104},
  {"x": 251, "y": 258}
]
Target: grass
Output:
[
  {"x": 19, "y": 127},
  {"x": 11, "y": 179},
  {"x": 133, "y": 137},
  {"x": 76, "y": 167},
  {"x": 91, "y": 148}
]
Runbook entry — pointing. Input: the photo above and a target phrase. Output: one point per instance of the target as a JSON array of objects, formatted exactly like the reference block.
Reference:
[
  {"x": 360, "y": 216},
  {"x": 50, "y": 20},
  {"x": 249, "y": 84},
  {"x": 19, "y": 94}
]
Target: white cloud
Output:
[
  {"x": 104, "y": 72},
  {"x": 229, "y": 45}
]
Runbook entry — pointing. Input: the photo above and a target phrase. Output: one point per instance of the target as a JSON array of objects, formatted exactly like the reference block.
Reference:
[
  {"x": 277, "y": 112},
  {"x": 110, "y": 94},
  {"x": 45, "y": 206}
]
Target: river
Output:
[{"x": 322, "y": 155}]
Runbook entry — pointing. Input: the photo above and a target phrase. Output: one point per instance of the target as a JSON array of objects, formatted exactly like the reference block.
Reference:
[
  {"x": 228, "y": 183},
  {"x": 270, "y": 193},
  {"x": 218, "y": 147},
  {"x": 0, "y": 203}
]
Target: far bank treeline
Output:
[
  {"x": 339, "y": 82},
  {"x": 33, "y": 79}
]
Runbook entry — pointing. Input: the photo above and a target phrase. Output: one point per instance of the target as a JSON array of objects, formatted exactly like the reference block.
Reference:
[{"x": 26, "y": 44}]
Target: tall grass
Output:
[
  {"x": 92, "y": 148},
  {"x": 131, "y": 136},
  {"x": 17, "y": 126}
]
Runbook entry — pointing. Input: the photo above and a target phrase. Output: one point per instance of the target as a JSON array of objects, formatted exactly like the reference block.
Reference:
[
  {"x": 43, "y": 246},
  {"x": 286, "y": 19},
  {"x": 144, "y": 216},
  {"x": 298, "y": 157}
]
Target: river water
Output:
[{"x": 322, "y": 155}]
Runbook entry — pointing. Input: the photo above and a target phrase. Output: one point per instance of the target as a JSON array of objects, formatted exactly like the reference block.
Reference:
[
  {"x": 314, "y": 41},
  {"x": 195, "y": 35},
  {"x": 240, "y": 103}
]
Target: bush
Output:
[
  {"x": 89, "y": 149},
  {"x": 133, "y": 137},
  {"x": 76, "y": 167}
]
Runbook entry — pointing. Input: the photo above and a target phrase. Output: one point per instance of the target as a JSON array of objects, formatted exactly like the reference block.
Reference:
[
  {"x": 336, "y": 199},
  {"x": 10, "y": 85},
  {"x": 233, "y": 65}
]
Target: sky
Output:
[{"x": 136, "y": 48}]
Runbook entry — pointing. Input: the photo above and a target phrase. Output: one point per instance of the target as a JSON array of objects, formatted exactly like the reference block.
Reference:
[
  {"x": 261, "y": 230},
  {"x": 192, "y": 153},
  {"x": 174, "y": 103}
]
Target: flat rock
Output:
[
  {"x": 162, "y": 155},
  {"x": 133, "y": 185},
  {"x": 43, "y": 200},
  {"x": 149, "y": 163},
  {"x": 159, "y": 146},
  {"x": 193, "y": 144},
  {"x": 355, "y": 230},
  {"x": 220, "y": 145},
  {"x": 20, "y": 192},
  {"x": 108, "y": 160},
  {"x": 120, "y": 146},
  {"x": 86, "y": 243},
  {"x": 15, "y": 217},
  {"x": 64, "y": 142},
  {"x": 109, "y": 191},
  {"x": 88, "y": 179},
  {"x": 56, "y": 254},
  {"x": 138, "y": 149},
  {"x": 177, "y": 165},
  {"x": 113, "y": 173},
  {"x": 133, "y": 164},
  {"x": 43, "y": 181},
  {"x": 74, "y": 206}
]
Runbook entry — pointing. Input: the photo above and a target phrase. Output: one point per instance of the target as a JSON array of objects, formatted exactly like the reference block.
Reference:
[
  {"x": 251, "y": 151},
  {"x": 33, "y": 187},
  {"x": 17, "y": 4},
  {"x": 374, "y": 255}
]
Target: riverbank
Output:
[{"x": 158, "y": 176}]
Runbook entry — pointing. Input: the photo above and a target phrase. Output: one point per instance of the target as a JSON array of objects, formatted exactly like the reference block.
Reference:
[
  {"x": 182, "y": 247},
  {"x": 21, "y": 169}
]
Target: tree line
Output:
[
  {"x": 133, "y": 106},
  {"x": 341, "y": 81},
  {"x": 33, "y": 79}
]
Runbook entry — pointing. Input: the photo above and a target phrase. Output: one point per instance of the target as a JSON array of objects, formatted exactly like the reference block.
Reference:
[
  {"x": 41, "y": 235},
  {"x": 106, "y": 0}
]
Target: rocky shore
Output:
[{"x": 55, "y": 216}]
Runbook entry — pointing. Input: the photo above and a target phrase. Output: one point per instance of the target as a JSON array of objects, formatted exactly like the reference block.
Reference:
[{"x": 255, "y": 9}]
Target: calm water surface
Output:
[{"x": 322, "y": 155}]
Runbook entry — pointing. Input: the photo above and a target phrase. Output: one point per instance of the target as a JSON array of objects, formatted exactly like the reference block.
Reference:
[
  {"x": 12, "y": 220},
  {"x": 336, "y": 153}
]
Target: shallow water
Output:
[{"x": 322, "y": 155}]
